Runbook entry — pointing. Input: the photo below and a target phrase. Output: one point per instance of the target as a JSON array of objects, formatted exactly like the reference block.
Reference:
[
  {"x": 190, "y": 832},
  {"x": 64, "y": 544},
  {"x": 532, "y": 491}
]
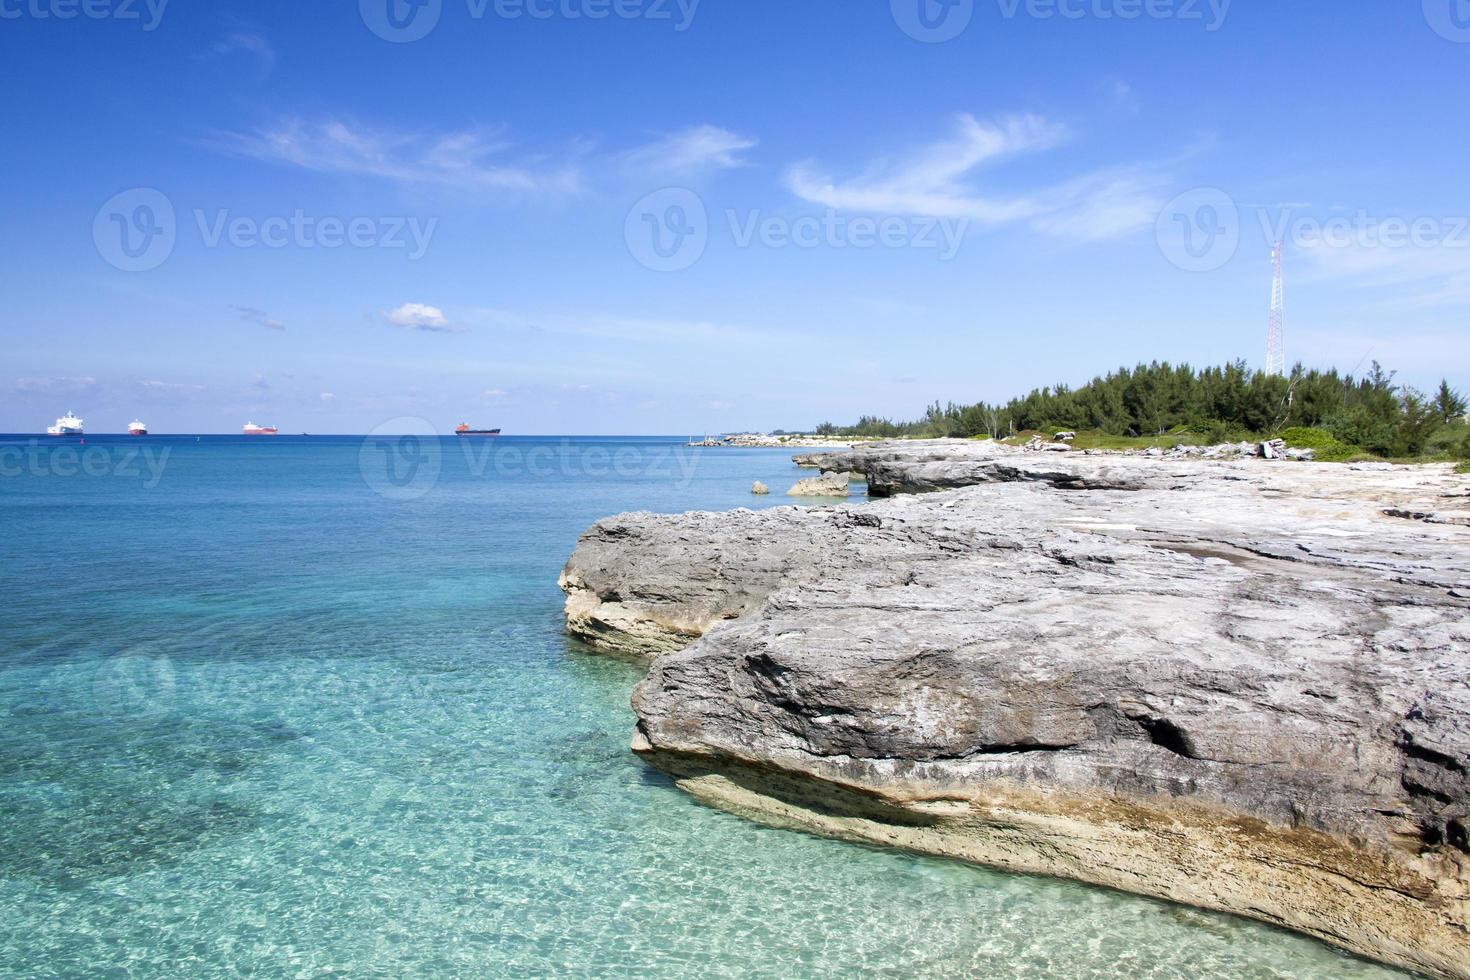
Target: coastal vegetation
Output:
[{"x": 1161, "y": 404}]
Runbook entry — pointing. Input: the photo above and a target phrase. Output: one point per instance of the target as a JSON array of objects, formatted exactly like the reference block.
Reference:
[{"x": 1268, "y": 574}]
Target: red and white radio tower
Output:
[{"x": 1276, "y": 331}]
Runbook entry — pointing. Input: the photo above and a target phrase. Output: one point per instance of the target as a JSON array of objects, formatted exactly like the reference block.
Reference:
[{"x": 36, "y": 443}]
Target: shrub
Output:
[
  {"x": 1213, "y": 432},
  {"x": 1361, "y": 426},
  {"x": 1450, "y": 442},
  {"x": 1338, "y": 453},
  {"x": 1324, "y": 444},
  {"x": 1417, "y": 424},
  {"x": 1301, "y": 437}
]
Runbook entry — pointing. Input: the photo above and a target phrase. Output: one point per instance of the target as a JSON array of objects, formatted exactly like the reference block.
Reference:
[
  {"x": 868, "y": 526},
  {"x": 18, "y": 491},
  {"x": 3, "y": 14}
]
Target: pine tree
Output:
[{"x": 1449, "y": 403}]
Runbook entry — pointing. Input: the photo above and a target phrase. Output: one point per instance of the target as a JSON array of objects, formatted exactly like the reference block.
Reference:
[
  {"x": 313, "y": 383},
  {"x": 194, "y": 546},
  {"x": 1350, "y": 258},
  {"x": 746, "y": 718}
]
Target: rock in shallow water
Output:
[
  {"x": 826, "y": 485},
  {"x": 1228, "y": 684}
]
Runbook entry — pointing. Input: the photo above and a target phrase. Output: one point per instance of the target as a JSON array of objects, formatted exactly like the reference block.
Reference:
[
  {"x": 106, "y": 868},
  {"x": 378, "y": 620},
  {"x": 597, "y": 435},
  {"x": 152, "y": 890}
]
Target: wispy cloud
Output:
[
  {"x": 931, "y": 181},
  {"x": 1101, "y": 206},
  {"x": 419, "y": 316},
  {"x": 940, "y": 180},
  {"x": 247, "y": 43},
  {"x": 691, "y": 150},
  {"x": 1423, "y": 277},
  {"x": 1120, "y": 94},
  {"x": 55, "y": 386},
  {"x": 260, "y": 317},
  {"x": 482, "y": 159},
  {"x": 1422, "y": 352},
  {"x": 473, "y": 160},
  {"x": 169, "y": 387},
  {"x": 631, "y": 329}
]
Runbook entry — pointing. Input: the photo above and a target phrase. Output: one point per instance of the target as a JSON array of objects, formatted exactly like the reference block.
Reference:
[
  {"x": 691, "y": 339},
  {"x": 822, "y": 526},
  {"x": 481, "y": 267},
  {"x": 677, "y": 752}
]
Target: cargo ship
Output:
[
  {"x": 251, "y": 429},
  {"x": 67, "y": 425},
  {"x": 136, "y": 428},
  {"x": 463, "y": 429}
]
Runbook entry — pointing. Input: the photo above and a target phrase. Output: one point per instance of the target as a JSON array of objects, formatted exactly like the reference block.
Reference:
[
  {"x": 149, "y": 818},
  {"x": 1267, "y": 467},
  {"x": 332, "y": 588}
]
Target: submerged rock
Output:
[{"x": 1227, "y": 684}]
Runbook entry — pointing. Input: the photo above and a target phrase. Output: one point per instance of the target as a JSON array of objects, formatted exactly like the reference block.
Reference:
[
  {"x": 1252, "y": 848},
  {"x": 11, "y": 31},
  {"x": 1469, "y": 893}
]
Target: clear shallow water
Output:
[{"x": 282, "y": 711}]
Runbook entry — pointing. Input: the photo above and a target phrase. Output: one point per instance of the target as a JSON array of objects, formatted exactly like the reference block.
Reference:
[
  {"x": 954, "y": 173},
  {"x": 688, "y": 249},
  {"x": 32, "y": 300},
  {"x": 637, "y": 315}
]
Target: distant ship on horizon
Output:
[
  {"x": 67, "y": 425},
  {"x": 463, "y": 429},
  {"x": 251, "y": 429},
  {"x": 136, "y": 428}
]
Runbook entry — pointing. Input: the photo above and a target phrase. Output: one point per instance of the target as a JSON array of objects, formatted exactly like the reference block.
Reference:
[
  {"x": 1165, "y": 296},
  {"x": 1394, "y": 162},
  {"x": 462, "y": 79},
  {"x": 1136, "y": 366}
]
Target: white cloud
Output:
[
  {"x": 327, "y": 396},
  {"x": 494, "y": 394},
  {"x": 939, "y": 180},
  {"x": 418, "y": 316},
  {"x": 474, "y": 160},
  {"x": 690, "y": 150}
]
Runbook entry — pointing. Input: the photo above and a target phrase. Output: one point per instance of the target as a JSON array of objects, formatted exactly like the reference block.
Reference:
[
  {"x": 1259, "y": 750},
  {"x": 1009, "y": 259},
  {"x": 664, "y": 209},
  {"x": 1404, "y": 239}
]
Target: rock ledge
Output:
[{"x": 1243, "y": 686}]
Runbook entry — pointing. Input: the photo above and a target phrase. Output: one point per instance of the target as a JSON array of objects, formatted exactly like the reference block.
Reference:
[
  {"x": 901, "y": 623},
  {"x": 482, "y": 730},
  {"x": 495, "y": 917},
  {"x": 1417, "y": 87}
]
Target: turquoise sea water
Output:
[{"x": 299, "y": 707}]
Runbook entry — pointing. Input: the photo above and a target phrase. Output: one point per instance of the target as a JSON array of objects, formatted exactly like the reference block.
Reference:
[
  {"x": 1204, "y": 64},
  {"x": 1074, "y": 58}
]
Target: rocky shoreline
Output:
[
  {"x": 1243, "y": 686},
  {"x": 761, "y": 440}
]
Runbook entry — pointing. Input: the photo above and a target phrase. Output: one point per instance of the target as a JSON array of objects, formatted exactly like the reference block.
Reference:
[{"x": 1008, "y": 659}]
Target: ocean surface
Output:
[{"x": 298, "y": 707}]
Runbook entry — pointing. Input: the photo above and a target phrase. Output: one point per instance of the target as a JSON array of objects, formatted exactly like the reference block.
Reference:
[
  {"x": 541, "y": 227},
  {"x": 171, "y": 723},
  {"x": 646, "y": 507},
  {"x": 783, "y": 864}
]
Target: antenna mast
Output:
[{"x": 1276, "y": 330}]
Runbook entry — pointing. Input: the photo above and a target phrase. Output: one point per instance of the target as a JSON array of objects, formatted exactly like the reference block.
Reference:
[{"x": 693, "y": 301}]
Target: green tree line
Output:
[{"x": 1372, "y": 413}]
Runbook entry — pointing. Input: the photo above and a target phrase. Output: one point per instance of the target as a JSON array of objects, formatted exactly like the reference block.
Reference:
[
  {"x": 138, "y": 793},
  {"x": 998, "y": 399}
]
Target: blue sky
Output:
[{"x": 852, "y": 213}]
